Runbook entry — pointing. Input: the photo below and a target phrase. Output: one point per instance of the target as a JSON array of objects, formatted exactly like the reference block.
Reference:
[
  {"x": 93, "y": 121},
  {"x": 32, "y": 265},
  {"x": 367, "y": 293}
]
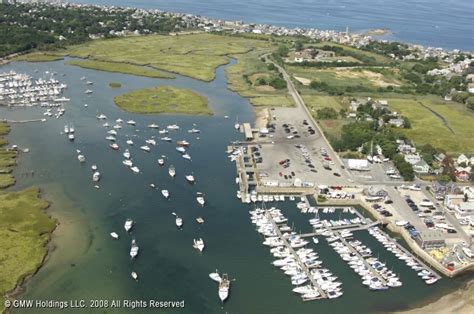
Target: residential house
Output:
[
  {"x": 462, "y": 173},
  {"x": 412, "y": 158},
  {"x": 462, "y": 159},
  {"x": 406, "y": 148},
  {"x": 440, "y": 157},
  {"x": 396, "y": 122},
  {"x": 421, "y": 167},
  {"x": 354, "y": 105},
  {"x": 470, "y": 88}
]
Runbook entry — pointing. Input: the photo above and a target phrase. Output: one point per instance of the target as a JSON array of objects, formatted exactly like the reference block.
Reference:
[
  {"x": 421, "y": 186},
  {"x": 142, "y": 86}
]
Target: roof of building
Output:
[{"x": 431, "y": 235}]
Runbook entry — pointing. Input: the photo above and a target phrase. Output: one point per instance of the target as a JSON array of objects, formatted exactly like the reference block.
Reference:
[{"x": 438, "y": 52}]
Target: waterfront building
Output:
[{"x": 430, "y": 239}]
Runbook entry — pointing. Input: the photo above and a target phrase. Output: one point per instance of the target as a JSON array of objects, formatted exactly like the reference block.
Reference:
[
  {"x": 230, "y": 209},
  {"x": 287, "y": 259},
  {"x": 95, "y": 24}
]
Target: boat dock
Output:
[
  {"x": 406, "y": 251},
  {"x": 354, "y": 227},
  {"x": 297, "y": 258},
  {"x": 22, "y": 121}
]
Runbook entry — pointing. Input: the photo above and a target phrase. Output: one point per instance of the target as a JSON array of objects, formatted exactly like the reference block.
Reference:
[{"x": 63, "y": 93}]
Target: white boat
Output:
[
  {"x": 173, "y": 127},
  {"x": 172, "y": 171},
  {"x": 71, "y": 130},
  {"x": 112, "y": 132},
  {"x": 102, "y": 117},
  {"x": 164, "y": 131},
  {"x": 117, "y": 126},
  {"x": 151, "y": 142},
  {"x": 126, "y": 154},
  {"x": 224, "y": 287},
  {"x": 88, "y": 91},
  {"x": 237, "y": 126},
  {"x": 66, "y": 129},
  {"x": 161, "y": 161},
  {"x": 131, "y": 122},
  {"x": 183, "y": 143},
  {"x": 114, "y": 235},
  {"x": 145, "y": 148},
  {"x": 81, "y": 158},
  {"x": 193, "y": 130},
  {"x": 153, "y": 126},
  {"x": 215, "y": 276},
  {"x": 128, "y": 163},
  {"x": 165, "y": 193},
  {"x": 187, "y": 156},
  {"x": 198, "y": 244},
  {"x": 134, "y": 275},
  {"x": 128, "y": 224},
  {"x": 179, "y": 222},
  {"x": 166, "y": 139},
  {"x": 181, "y": 149},
  {"x": 190, "y": 178},
  {"x": 129, "y": 142},
  {"x": 105, "y": 125},
  {"x": 315, "y": 240},
  {"x": 82, "y": 78},
  {"x": 96, "y": 176},
  {"x": 94, "y": 167},
  {"x": 135, "y": 169},
  {"x": 200, "y": 199},
  {"x": 134, "y": 249},
  {"x": 111, "y": 138},
  {"x": 114, "y": 146},
  {"x": 89, "y": 83},
  {"x": 71, "y": 137}
]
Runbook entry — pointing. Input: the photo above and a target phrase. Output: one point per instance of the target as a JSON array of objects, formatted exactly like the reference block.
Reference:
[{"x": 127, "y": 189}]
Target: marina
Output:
[{"x": 229, "y": 237}]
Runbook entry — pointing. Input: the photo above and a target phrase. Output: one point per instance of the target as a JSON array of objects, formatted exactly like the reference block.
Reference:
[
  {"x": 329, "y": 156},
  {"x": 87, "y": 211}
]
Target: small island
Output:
[
  {"x": 163, "y": 99},
  {"x": 115, "y": 85}
]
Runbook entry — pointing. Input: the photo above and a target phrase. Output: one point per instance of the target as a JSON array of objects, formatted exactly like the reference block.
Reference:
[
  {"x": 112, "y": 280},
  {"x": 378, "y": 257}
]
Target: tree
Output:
[
  {"x": 299, "y": 45},
  {"x": 283, "y": 51}
]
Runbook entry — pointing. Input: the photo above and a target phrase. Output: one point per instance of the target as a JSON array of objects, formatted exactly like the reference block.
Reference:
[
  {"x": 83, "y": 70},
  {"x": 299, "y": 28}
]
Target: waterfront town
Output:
[{"x": 286, "y": 157}]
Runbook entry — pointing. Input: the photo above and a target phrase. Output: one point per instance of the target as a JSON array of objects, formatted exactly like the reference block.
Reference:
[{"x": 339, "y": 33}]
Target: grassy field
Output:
[
  {"x": 120, "y": 68},
  {"x": 249, "y": 65},
  {"x": 7, "y": 159},
  {"x": 196, "y": 55},
  {"x": 24, "y": 232},
  {"x": 38, "y": 57},
  {"x": 163, "y": 99},
  {"x": 429, "y": 128},
  {"x": 378, "y": 58},
  {"x": 348, "y": 77},
  {"x": 332, "y": 128}
]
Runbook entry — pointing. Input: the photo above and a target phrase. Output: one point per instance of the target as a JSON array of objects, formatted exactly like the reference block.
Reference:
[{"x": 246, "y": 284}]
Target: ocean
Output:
[{"x": 447, "y": 24}]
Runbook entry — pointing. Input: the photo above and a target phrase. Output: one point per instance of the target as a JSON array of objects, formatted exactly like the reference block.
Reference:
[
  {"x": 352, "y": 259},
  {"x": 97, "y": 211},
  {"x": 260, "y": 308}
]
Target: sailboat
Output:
[
  {"x": 237, "y": 125},
  {"x": 134, "y": 275},
  {"x": 215, "y": 276},
  {"x": 96, "y": 176},
  {"x": 114, "y": 235},
  {"x": 161, "y": 161}
]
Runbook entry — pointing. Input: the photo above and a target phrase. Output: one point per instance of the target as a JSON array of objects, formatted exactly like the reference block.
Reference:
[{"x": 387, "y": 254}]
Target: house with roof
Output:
[
  {"x": 412, "y": 158},
  {"x": 462, "y": 173},
  {"x": 439, "y": 157},
  {"x": 398, "y": 122},
  {"x": 421, "y": 167},
  {"x": 462, "y": 159}
]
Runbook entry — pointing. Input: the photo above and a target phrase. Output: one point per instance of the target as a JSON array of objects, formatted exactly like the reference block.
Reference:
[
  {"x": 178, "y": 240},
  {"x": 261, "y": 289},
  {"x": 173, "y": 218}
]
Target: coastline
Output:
[{"x": 460, "y": 301}]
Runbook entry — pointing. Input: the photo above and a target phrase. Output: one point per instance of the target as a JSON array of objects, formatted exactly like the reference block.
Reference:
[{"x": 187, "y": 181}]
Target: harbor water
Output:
[{"x": 85, "y": 263}]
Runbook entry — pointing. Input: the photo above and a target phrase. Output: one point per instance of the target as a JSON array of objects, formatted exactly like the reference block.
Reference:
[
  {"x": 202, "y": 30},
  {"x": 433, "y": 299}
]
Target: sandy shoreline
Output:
[
  {"x": 459, "y": 302},
  {"x": 261, "y": 117}
]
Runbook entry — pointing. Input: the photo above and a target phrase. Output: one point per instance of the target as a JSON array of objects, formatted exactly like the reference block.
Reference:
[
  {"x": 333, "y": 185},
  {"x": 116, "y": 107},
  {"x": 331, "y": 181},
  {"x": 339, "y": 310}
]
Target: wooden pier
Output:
[{"x": 297, "y": 258}]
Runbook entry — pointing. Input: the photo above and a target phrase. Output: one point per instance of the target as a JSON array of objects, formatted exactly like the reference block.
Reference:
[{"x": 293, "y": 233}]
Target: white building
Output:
[
  {"x": 358, "y": 164},
  {"x": 412, "y": 158}
]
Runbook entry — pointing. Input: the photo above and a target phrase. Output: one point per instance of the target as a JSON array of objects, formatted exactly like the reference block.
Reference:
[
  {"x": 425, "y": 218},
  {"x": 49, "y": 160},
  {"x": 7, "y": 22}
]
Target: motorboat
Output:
[
  {"x": 131, "y": 122},
  {"x": 200, "y": 199},
  {"x": 129, "y": 142},
  {"x": 71, "y": 137},
  {"x": 101, "y": 117},
  {"x": 111, "y": 138},
  {"x": 112, "y": 132},
  {"x": 128, "y": 163},
  {"x": 128, "y": 224},
  {"x": 172, "y": 171},
  {"x": 166, "y": 139},
  {"x": 81, "y": 158},
  {"x": 88, "y": 91},
  {"x": 315, "y": 240},
  {"x": 114, "y": 146},
  {"x": 179, "y": 222},
  {"x": 134, "y": 249},
  {"x": 165, "y": 193},
  {"x": 66, "y": 129},
  {"x": 89, "y": 83},
  {"x": 173, "y": 127},
  {"x": 193, "y": 130},
  {"x": 183, "y": 143},
  {"x": 181, "y": 149},
  {"x": 161, "y": 162},
  {"x": 114, "y": 235},
  {"x": 224, "y": 287},
  {"x": 190, "y": 178},
  {"x": 200, "y": 220},
  {"x": 96, "y": 176},
  {"x": 153, "y": 126},
  {"x": 134, "y": 275},
  {"x": 135, "y": 169},
  {"x": 215, "y": 276},
  {"x": 198, "y": 244},
  {"x": 126, "y": 154},
  {"x": 94, "y": 167},
  {"x": 187, "y": 156},
  {"x": 145, "y": 148},
  {"x": 151, "y": 142}
]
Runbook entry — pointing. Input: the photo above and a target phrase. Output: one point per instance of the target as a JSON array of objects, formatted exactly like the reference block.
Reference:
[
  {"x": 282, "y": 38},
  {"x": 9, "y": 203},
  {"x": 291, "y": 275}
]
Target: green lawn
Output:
[
  {"x": 332, "y": 128},
  {"x": 24, "y": 232},
  {"x": 38, "y": 57},
  {"x": 163, "y": 99},
  {"x": 120, "y": 68},
  {"x": 377, "y": 57},
  {"x": 427, "y": 128},
  {"x": 196, "y": 55}
]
